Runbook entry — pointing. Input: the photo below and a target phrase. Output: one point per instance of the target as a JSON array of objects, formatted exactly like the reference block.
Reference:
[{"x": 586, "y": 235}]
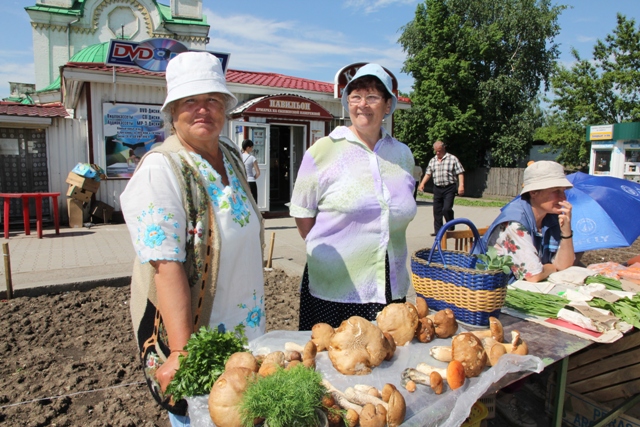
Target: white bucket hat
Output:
[
  {"x": 544, "y": 174},
  {"x": 195, "y": 73},
  {"x": 376, "y": 71}
]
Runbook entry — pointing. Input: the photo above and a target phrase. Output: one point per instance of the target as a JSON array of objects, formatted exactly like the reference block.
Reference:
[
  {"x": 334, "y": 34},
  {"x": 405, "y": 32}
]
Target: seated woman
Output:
[{"x": 535, "y": 230}]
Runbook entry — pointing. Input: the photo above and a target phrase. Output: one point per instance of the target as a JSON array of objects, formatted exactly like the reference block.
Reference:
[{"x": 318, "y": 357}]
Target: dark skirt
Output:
[{"x": 316, "y": 310}]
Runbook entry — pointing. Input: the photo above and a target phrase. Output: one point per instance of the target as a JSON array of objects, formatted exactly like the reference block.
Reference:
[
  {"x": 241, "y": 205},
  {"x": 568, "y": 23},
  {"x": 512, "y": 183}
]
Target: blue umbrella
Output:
[{"x": 606, "y": 211}]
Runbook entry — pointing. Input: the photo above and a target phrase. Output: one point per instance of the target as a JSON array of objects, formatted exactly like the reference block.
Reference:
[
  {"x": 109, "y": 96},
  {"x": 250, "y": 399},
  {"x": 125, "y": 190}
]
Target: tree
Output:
[
  {"x": 477, "y": 66},
  {"x": 602, "y": 90}
]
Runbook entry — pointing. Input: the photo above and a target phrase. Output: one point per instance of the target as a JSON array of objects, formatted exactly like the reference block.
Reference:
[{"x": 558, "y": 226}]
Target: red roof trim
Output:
[{"x": 39, "y": 110}]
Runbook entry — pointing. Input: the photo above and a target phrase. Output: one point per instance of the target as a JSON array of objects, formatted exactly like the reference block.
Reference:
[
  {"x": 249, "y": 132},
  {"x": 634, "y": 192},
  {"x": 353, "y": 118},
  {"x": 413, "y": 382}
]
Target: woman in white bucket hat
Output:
[
  {"x": 196, "y": 230},
  {"x": 535, "y": 229}
]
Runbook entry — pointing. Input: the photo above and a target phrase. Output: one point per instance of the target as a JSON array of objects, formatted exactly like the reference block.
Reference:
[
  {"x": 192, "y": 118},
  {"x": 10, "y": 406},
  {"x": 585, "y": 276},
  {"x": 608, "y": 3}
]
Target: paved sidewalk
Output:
[{"x": 103, "y": 255}]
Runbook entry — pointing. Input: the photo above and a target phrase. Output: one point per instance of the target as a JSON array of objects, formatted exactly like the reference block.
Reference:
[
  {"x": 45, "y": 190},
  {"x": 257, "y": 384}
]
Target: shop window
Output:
[
  {"x": 632, "y": 165},
  {"x": 603, "y": 163}
]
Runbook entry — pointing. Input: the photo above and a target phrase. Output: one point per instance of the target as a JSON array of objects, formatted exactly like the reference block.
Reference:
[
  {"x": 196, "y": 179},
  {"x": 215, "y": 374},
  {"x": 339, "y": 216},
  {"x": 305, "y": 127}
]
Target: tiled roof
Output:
[
  {"x": 96, "y": 66},
  {"x": 47, "y": 110},
  {"x": 277, "y": 80}
]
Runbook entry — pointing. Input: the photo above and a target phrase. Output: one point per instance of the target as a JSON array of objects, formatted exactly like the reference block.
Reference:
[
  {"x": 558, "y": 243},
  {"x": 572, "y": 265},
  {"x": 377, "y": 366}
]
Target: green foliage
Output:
[
  {"x": 286, "y": 398},
  {"x": 492, "y": 261},
  {"x": 208, "y": 351},
  {"x": 477, "y": 66},
  {"x": 601, "y": 90}
]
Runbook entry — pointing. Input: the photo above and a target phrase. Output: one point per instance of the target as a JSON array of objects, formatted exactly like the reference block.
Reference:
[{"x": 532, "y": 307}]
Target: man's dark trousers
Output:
[{"x": 443, "y": 204}]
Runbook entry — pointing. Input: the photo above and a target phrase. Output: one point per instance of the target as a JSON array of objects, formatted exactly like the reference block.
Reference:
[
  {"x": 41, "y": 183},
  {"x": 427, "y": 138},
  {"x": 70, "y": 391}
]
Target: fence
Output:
[{"x": 506, "y": 182}]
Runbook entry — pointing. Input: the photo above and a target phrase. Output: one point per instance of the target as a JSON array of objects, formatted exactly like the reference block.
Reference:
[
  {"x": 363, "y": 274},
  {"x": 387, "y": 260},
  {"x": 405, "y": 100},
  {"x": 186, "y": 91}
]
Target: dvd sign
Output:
[{"x": 150, "y": 55}]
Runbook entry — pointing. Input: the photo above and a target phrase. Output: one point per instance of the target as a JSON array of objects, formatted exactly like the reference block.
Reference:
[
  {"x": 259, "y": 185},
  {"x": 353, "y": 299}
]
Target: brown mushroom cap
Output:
[
  {"x": 357, "y": 346},
  {"x": 373, "y": 416},
  {"x": 467, "y": 349},
  {"x": 321, "y": 334},
  {"x": 310, "y": 351},
  {"x": 455, "y": 374},
  {"x": 387, "y": 391},
  {"x": 399, "y": 320},
  {"x": 445, "y": 323},
  {"x": 422, "y": 307},
  {"x": 392, "y": 346},
  {"x": 495, "y": 326},
  {"x": 242, "y": 359},
  {"x": 425, "y": 332},
  {"x": 397, "y": 409},
  {"x": 226, "y": 395},
  {"x": 436, "y": 382}
]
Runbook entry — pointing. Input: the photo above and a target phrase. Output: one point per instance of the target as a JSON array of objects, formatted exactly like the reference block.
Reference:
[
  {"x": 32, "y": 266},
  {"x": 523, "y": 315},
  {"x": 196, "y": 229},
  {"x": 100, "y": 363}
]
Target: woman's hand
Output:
[
  {"x": 564, "y": 218},
  {"x": 167, "y": 371}
]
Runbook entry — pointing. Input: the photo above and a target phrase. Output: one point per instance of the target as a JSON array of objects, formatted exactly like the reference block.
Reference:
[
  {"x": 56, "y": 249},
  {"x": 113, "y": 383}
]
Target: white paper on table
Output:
[
  {"x": 572, "y": 295},
  {"x": 538, "y": 287}
]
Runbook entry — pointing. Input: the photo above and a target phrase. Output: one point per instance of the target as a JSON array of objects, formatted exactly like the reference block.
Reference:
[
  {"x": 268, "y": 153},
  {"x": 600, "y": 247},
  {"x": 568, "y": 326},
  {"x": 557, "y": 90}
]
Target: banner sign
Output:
[
  {"x": 601, "y": 133},
  {"x": 290, "y": 106},
  {"x": 151, "y": 54},
  {"x": 130, "y": 130}
]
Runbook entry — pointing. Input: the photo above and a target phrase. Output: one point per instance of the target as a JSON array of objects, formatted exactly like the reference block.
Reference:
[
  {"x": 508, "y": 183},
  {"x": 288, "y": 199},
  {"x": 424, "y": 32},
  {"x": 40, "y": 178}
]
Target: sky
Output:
[{"x": 313, "y": 39}]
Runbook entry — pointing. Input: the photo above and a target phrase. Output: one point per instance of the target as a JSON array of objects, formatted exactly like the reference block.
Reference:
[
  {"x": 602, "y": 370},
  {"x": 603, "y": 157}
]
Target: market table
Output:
[
  {"x": 450, "y": 409},
  {"x": 25, "y": 211}
]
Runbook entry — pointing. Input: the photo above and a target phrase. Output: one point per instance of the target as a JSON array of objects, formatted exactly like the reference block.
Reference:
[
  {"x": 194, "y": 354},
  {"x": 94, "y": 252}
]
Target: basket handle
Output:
[{"x": 477, "y": 242}]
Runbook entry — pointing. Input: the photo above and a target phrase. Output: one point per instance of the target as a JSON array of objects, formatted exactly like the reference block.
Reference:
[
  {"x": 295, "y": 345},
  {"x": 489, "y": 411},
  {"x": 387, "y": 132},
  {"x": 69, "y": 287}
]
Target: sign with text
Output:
[
  {"x": 601, "y": 133},
  {"x": 152, "y": 54},
  {"x": 289, "y": 106},
  {"x": 130, "y": 130}
]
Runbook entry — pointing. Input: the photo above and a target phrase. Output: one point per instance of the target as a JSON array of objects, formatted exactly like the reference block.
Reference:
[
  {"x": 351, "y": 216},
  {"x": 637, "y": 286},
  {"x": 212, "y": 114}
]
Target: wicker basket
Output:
[{"x": 448, "y": 279}]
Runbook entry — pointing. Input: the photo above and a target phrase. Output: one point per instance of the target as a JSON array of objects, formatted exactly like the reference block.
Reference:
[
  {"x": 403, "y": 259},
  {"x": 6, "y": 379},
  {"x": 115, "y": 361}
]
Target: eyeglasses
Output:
[{"x": 369, "y": 99}]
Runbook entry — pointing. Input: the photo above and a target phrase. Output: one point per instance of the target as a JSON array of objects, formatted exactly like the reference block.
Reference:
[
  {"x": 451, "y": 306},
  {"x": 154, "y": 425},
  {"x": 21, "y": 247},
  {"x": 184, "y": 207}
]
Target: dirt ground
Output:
[{"x": 70, "y": 359}]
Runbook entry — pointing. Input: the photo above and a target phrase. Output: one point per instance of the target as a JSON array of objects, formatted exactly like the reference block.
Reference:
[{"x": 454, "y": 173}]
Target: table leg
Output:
[
  {"x": 561, "y": 386},
  {"x": 25, "y": 215},
  {"x": 39, "y": 215},
  {"x": 6, "y": 217},
  {"x": 56, "y": 217}
]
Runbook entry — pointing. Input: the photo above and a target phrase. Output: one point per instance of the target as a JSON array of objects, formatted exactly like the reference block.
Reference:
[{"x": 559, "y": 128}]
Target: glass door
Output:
[{"x": 259, "y": 134}]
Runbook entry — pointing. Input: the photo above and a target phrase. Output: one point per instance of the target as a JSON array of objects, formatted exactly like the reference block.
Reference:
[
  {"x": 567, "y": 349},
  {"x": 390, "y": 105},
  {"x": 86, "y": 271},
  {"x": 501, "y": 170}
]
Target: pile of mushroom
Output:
[{"x": 369, "y": 407}]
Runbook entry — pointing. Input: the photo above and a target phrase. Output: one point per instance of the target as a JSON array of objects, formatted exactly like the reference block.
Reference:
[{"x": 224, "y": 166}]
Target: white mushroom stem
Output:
[
  {"x": 517, "y": 346},
  {"x": 427, "y": 369},
  {"x": 340, "y": 398},
  {"x": 361, "y": 398},
  {"x": 416, "y": 376},
  {"x": 441, "y": 353},
  {"x": 292, "y": 346},
  {"x": 369, "y": 389}
]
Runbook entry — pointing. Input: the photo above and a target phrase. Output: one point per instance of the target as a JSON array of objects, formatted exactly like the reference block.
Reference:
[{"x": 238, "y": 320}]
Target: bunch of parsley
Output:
[{"x": 208, "y": 351}]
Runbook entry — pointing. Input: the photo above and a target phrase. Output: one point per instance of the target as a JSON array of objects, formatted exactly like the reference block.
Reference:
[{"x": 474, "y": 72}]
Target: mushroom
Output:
[
  {"x": 422, "y": 307},
  {"x": 465, "y": 348},
  {"x": 226, "y": 396},
  {"x": 399, "y": 320},
  {"x": 392, "y": 346},
  {"x": 340, "y": 398},
  {"x": 373, "y": 416},
  {"x": 387, "y": 391},
  {"x": 351, "y": 418},
  {"x": 397, "y": 409},
  {"x": 494, "y": 350},
  {"x": 309, "y": 350},
  {"x": 321, "y": 334},
  {"x": 268, "y": 368},
  {"x": 276, "y": 357},
  {"x": 242, "y": 359},
  {"x": 357, "y": 346},
  {"x": 425, "y": 331},
  {"x": 432, "y": 379},
  {"x": 362, "y": 398},
  {"x": 445, "y": 323},
  {"x": 369, "y": 389},
  {"x": 454, "y": 374},
  {"x": 517, "y": 346},
  {"x": 495, "y": 330}
]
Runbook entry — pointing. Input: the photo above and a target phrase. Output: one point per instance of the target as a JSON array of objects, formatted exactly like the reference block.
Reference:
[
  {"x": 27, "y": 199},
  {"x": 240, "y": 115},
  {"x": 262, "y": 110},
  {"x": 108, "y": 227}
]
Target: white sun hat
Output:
[
  {"x": 196, "y": 73},
  {"x": 544, "y": 174},
  {"x": 377, "y": 71}
]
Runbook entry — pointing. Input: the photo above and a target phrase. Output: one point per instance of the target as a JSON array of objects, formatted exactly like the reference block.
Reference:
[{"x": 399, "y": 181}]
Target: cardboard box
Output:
[
  {"x": 85, "y": 183},
  {"x": 79, "y": 194},
  {"x": 78, "y": 213},
  {"x": 102, "y": 210},
  {"x": 581, "y": 411}
]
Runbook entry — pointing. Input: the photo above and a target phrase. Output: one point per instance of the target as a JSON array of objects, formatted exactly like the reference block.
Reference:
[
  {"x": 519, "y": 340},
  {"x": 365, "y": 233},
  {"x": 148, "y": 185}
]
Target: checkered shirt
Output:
[{"x": 444, "y": 172}]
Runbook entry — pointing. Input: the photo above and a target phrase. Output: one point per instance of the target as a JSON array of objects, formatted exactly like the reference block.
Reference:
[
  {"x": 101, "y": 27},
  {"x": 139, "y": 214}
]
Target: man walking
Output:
[{"x": 444, "y": 167}]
